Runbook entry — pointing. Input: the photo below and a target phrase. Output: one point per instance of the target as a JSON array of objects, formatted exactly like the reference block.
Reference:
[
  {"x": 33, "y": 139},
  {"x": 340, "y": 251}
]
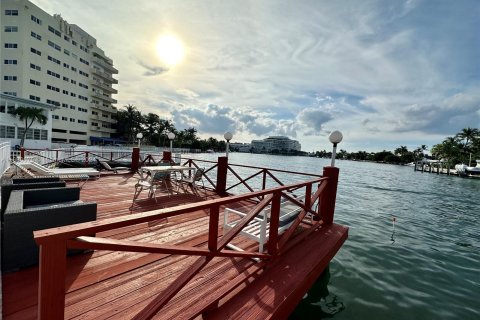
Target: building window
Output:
[
  {"x": 32, "y": 134},
  {"x": 66, "y": 52},
  {"x": 82, "y": 109},
  {"x": 66, "y": 38},
  {"x": 82, "y": 121},
  {"x": 64, "y": 118},
  {"x": 53, "y": 74},
  {"x": 72, "y": 107},
  {"x": 37, "y": 52},
  {"x": 74, "y": 69},
  {"x": 11, "y": 29},
  {"x": 83, "y": 73},
  {"x": 55, "y": 117},
  {"x": 36, "y": 36},
  {"x": 65, "y": 92},
  {"x": 84, "y": 61},
  {"x": 66, "y": 65},
  {"x": 11, "y": 46},
  {"x": 11, "y": 12},
  {"x": 49, "y": 87},
  {"x": 54, "y": 45},
  {"x": 34, "y": 82},
  {"x": 7, "y": 132},
  {"x": 10, "y": 94},
  {"x": 35, "y": 67},
  {"x": 54, "y": 60},
  {"x": 82, "y": 98},
  {"x": 73, "y": 81},
  {"x": 36, "y": 20},
  {"x": 55, "y": 103},
  {"x": 82, "y": 85},
  {"x": 74, "y": 42},
  {"x": 10, "y": 78},
  {"x": 72, "y": 120},
  {"x": 73, "y": 94},
  {"x": 54, "y": 31},
  {"x": 34, "y": 98},
  {"x": 9, "y": 61}
]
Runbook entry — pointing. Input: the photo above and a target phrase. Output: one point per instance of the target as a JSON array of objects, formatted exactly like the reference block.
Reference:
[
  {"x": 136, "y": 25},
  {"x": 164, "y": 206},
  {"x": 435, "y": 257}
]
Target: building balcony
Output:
[
  {"x": 103, "y": 108},
  {"x": 105, "y": 65},
  {"x": 103, "y": 86},
  {"x": 103, "y": 97},
  {"x": 104, "y": 75}
]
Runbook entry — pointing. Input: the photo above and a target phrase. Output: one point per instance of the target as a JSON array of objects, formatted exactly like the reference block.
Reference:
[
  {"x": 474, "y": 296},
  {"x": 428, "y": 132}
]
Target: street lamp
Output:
[
  {"x": 139, "y": 137},
  {"x": 335, "y": 137},
  {"x": 171, "y": 136},
  {"x": 228, "y": 136}
]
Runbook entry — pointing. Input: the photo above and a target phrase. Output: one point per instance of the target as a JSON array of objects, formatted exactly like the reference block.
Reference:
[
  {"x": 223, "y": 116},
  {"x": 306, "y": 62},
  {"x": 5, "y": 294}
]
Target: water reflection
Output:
[{"x": 319, "y": 303}]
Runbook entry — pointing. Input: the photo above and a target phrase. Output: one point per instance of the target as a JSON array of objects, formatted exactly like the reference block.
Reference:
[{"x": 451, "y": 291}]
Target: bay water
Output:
[{"x": 413, "y": 250}]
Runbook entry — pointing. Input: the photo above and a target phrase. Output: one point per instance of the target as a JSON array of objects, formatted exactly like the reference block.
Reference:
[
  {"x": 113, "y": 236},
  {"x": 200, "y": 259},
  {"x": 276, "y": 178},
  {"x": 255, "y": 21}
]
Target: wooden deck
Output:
[{"x": 119, "y": 285}]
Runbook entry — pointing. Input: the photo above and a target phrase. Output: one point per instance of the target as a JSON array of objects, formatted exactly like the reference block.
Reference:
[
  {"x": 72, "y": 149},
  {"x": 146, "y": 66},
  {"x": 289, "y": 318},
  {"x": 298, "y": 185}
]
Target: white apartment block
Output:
[
  {"x": 276, "y": 143},
  {"x": 38, "y": 136},
  {"x": 45, "y": 59}
]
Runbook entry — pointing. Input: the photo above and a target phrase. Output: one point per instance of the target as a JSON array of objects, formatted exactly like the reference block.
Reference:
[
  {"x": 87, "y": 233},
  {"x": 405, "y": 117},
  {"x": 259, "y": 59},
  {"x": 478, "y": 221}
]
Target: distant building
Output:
[
  {"x": 240, "y": 147},
  {"x": 276, "y": 144},
  {"x": 47, "y": 60},
  {"x": 12, "y": 129}
]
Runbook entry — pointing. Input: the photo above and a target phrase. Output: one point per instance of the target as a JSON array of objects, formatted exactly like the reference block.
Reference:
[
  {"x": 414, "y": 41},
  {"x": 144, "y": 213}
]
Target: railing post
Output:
[
  {"x": 22, "y": 153},
  {"x": 135, "y": 158},
  {"x": 51, "y": 285},
  {"x": 167, "y": 156},
  {"x": 222, "y": 176},
  {"x": 327, "y": 203},
  {"x": 274, "y": 222},
  {"x": 308, "y": 196},
  {"x": 213, "y": 228},
  {"x": 86, "y": 158}
]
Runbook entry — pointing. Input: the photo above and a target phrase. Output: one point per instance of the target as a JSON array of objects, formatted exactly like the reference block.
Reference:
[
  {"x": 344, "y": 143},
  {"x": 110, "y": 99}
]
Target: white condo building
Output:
[
  {"x": 276, "y": 143},
  {"x": 46, "y": 60}
]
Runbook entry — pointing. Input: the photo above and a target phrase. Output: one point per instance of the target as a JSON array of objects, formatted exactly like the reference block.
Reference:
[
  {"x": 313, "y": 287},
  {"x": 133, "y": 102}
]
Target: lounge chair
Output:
[
  {"x": 104, "y": 165},
  {"x": 80, "y": 177},
  {"x": 44, "y": 171},
  {"x": 258, "y": 229}
]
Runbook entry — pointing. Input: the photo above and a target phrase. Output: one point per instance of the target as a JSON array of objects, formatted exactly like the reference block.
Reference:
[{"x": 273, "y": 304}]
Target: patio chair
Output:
[
  {"x": 82, "y": 178},
  {"x": 151, "y": 183},
  {"x": 44, "y": 171},
  {"x": 258, "y": 229},
  {"x": 103, "y": 165},
  {"x": 186, "y": 181}
]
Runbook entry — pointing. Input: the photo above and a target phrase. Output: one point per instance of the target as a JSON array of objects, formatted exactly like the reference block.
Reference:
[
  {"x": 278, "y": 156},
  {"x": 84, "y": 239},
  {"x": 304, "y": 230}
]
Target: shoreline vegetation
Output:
[{"x": 464, "y": 147}]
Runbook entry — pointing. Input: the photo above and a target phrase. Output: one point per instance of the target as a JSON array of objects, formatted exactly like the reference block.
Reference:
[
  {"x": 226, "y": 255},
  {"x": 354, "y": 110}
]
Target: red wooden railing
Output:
[{"x": 55, "y": 242}]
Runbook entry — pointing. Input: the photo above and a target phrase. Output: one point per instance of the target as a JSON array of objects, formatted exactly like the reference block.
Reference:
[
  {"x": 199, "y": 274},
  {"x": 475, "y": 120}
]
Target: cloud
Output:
[{"x": 152, "y": 70}]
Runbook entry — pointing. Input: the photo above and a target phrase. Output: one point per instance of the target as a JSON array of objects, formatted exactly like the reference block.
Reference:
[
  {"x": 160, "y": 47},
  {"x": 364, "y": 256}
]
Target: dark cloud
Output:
[
  {"x": 313, "y": 119},
  {"x": 152, "y": 70}
]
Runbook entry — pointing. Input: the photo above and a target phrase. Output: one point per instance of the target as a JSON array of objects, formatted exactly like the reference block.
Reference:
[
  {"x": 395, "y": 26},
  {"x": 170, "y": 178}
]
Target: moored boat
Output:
[{"x": 466, "y": 171}]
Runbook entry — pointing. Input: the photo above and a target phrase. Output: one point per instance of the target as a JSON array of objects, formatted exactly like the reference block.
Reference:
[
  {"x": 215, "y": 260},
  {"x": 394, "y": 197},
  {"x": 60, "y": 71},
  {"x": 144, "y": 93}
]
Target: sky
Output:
[{"x": 384, "y": 73}]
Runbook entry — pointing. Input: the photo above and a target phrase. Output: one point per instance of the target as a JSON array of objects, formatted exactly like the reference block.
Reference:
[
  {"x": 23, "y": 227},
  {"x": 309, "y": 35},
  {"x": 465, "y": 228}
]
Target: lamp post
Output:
[
  {"x": 228, "y": 136},
  {"x": 171, "y": 136},
  {"x": 335, "y": 137},
  {"x": 139, "y": 137}
]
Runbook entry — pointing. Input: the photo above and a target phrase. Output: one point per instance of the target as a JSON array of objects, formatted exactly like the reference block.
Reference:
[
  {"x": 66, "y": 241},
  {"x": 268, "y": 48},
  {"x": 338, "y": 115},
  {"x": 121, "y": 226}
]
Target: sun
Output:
[{"x": 170, "y": 50}]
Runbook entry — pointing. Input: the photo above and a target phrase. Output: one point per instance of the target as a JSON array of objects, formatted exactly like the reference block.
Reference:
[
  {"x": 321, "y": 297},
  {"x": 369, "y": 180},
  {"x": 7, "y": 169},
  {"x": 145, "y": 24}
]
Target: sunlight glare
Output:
[{"x": 170, "y": 50}]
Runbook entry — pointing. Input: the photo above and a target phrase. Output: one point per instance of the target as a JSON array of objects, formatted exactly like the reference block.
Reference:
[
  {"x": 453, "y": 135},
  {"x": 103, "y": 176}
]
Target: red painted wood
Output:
[
  {"x": 327, "y": 204},
  {"x": 276, "y": 292},
  {"x": 167, "y": 156},
  {"x": 135, "y": 159},
  {"x": 274, "y": 222},
  {"x": 222, "y": 175},
  {"x": 213, "y": 228},
  {"x": 51, "y": 296}
]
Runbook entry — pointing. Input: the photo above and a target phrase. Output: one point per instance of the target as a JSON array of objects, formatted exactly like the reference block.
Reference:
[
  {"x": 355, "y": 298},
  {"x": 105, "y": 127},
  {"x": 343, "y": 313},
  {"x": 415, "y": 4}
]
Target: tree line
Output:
[
  {"x": 460, "y": 148},
  {"x": 130, "y": 122}
]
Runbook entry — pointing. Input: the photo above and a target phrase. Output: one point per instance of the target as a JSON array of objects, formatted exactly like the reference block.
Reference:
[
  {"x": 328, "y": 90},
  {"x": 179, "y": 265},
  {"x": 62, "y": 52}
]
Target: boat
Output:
[
  {"x": 465, "y": 171},
  {"x": 210, "y": 151}
]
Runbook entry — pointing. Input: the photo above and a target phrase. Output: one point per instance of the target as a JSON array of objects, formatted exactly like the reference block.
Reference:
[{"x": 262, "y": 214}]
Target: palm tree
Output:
[
  {"x": 469, "y": 135},
  {"x": 29, "y": 114}
]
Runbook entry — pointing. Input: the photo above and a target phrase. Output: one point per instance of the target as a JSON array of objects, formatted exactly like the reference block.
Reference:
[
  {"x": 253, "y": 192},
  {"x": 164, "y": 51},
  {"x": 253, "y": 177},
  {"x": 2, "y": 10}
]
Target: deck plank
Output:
[{"x": 113, "y": 285}]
